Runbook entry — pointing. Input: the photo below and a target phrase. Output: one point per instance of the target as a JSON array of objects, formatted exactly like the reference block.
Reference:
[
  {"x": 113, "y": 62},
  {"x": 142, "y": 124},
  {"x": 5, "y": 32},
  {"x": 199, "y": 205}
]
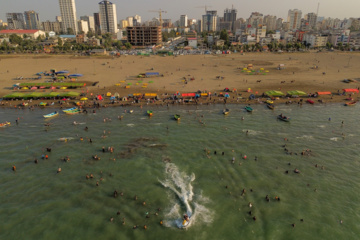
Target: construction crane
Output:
[{"x": 160, "y": 11}]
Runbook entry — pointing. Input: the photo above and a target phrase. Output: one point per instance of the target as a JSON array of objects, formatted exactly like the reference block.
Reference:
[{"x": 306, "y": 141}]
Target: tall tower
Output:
[
  {"x": 32, "y": 20},
  {"x": 108, "y": 18},
  {"x": 230, "y": 16},
  {"x": 209, "y": 21},
  {"x": 15, "y": 20},
  {"x": 183, "y": 20},
  {"x": 68, "y": 15},
  {"x": 294, "y": 18}
]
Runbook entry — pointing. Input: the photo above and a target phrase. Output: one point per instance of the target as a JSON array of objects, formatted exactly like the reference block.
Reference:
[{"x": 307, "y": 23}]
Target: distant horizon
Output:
[{"x": 328, "y": 8}]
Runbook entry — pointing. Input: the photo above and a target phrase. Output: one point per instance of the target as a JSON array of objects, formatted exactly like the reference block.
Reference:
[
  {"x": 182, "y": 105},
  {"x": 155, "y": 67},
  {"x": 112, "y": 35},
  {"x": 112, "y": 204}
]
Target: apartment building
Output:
[{"x": 144, "y": 35}]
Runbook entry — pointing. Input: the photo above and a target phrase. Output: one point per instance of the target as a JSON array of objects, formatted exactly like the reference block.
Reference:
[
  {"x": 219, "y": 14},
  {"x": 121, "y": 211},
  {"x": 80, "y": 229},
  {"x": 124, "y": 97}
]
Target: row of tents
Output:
[
  {"x": 40, "y": 95},
  {"x": 274, "y": 93}
]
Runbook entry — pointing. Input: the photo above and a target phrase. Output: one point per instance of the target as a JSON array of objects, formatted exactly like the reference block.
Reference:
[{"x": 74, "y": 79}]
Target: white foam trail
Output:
[
  {"x": 180, "y": 184},
  {"x": 130, "y": 125},
  {"x": 334, "y": 139},
  {"x": 306, "y": 137}
]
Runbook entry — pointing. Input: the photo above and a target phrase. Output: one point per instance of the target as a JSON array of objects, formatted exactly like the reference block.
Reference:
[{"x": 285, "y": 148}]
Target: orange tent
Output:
[
  {"x": 351, "y": 90},
  {"x": 323, "y": 93}
]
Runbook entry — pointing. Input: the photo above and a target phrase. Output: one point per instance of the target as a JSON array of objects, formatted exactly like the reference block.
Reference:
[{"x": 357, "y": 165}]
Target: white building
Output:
[
  {"x": 260, "y": 33},
  {"x": 183, "y": 21},
  {"x": 192, "y": 42},
  {"x": 270, "y": 22},
  {"x": 68, "y": 15},
  {"x": 294, "y": 18},
  {"x": 130, "y": 21},
  {"x": 91, "y": 22},
  {"x": 108, "y": 18},
  {"x": 137, "y": 20},
  {"x": 315, "y": 40},
  {"x": 83, "y": 26}
]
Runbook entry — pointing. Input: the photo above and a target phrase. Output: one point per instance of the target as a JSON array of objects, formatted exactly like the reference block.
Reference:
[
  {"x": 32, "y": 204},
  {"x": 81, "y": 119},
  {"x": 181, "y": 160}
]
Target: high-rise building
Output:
[
  {"x": 137, "y": 20},
  {"x": 294, "y": 19},
  {"x": 209, "y": 21},
  {"x": 108, "y": 19},
  {"x": 123, "y": 24},
  {"x": 32, "y": 20},
  {"x": 130, "y": 21},
  {"x": 270, "y": 22},
  {"x": 90, "y": 21},
  {"x": 97, "y": 23},
  {"x": 15, "y": 20},
  {"x": 183, "y": 20},
  {"x": 68, "y": 15},
  {"x": 311, "y": 19},
  {"x": 255, "y": 20},
  {"x": 230, "y": 17},
  {"x": 279, "y": 23},
  {"x": 58, "y": 19}
]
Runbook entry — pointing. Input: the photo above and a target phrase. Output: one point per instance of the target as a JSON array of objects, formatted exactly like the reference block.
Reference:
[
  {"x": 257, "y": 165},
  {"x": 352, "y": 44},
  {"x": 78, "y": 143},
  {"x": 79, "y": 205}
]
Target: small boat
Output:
[
  {"x": 70, "y": 109},
  {"x": 185, "y": 222},
  {"x": 248, "y": 109},
  {"x": 269, "y": 101},
  {"x": 226, "y": 111},
  {"x": 310, "y": 101},
  {"x": 76, "y": 111},
  {"x": 271, "y": 106},
  {"x": 177, "y": 117},
  {"x": 42, "y": 104},
  {"x": 149, "y": 113},
  {"x": 53, "y": 114},
  {"x": 350, "y": 103},
  {"x": 5, "y": 124},
  {"x": 284, "y": 118}
]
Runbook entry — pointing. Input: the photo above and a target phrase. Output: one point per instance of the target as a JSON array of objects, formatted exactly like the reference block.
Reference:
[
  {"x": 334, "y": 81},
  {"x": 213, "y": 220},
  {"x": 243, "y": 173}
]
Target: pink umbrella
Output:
[
  {"x": 64, "y": 99},
  {"x": 42, "y": 87},
  {"x": 33, "y": 88},
  {"x": 53, "y": 88}
]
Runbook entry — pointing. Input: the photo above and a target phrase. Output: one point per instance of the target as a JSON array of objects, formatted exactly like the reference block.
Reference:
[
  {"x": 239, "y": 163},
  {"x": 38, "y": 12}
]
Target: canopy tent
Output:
[
  {"x": 51, "y": 94},
  {"x": 296, "y": 93},
  {"x": 188, "y": 94},
  {"x": 351, "y": 90},
  {"x": 150, "y": 94},
  {"x": 15, "y": 95},
  {"x": 274, "y": 93},
  {"x": 75, "y": 75},
  {"x": 62, "y": 72},
  {"x": 99, "y": 97},
  {"x": 323, "y": 93}
]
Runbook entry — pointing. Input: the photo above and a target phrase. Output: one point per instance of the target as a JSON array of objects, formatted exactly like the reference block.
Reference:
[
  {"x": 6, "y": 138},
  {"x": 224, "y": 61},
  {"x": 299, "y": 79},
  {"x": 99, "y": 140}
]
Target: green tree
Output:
[
  {"x": 118, "y": 44},
  {"x": 15, "y": 39},
  {"x": 60, "y": 42},
  {"x": 224, "y": 36},
  {"x": 70, "y": 31},
  {"x": 165, "y": 36},
  {"x": 329, "y": 45},
  {"x": 90, "y": 34},
  {"x": 128, "y": 45}
]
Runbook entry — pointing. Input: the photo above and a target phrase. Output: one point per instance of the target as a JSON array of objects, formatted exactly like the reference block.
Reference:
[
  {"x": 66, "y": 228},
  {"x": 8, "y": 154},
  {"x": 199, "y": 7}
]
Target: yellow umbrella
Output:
[{"x": 83, "y": 99}]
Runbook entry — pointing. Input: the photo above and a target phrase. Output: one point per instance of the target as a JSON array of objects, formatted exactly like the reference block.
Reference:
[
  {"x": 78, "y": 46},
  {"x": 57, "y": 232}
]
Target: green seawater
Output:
[{"x": 165, "y": 164}]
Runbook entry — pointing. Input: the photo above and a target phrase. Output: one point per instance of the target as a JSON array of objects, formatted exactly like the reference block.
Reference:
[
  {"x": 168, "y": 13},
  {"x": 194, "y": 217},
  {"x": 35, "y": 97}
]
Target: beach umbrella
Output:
[
  {"x": 34, "y": 88},
  {"x": 83, "y": 99}
]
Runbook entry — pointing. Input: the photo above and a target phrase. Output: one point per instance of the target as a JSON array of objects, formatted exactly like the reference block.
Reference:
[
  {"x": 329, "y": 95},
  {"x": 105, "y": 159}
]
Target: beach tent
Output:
[
  {"x": 323, "y": 93},
  {"x": 296, "y": 93},
  {"x": 75, "y": 75},
  {"x": 227, "y": 95},
  {"x": 152, "y": 74},
  {"x": 117, "y": 95},
  {"x": 99, "y": 97},
  {"x": 252, "y": 97},
  {"x": 124, "y": 99},
  {"x": 112, "y": 98},
  {"x": 108, "y": 94},
  {"x": 274, "y": 93},
  {"x": 350, "y": 90},
  {"x": 62, "y": 72}
]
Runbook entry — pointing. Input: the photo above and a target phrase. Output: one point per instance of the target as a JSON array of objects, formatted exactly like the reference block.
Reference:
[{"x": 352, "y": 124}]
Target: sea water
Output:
[{"x": 165, "y": 169}]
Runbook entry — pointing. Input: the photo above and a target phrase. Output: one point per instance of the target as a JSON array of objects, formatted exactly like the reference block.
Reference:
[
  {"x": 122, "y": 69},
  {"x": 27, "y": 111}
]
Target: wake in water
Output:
[{"x": 185, "y": 202}]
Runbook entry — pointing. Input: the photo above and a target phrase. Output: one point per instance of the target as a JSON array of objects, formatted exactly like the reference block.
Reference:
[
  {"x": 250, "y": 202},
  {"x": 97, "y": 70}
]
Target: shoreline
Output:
[{"x": 308, "y": 72}]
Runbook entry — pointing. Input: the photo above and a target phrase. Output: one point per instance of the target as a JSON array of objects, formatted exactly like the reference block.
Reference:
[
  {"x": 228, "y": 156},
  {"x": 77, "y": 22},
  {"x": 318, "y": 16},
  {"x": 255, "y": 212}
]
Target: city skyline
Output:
[{"x": 328, "y": 8}]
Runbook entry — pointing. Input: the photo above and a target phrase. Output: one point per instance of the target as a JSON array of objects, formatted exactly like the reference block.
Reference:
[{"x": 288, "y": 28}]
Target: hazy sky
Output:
[{"x": 48, "y": 9}]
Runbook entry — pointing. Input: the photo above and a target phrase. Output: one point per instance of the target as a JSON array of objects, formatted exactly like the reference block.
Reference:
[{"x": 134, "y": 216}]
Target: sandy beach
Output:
[{"x": 308, "y": 72}]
